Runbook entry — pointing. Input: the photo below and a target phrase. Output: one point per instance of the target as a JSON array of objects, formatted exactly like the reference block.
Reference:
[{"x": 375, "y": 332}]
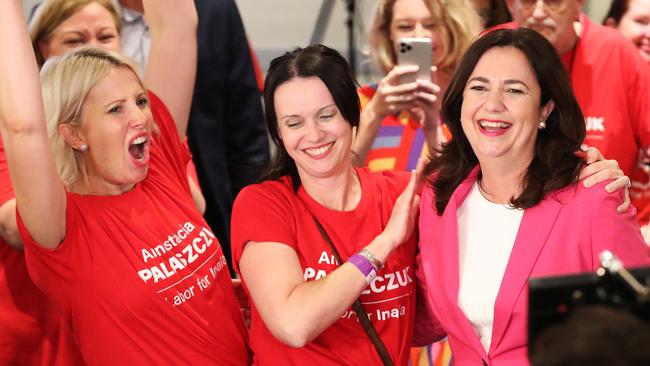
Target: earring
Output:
[
  {"x": 83, "y": 147},
  {"x": 542, "y": 125}
]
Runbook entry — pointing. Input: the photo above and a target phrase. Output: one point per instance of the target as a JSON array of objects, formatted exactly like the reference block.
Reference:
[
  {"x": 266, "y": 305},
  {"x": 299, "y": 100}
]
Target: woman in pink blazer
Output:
[{"x": 505, "y": 203}]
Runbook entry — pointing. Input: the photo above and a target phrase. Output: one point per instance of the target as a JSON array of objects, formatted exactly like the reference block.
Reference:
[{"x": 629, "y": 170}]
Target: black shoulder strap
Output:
[{"x": 357, "y": 307}]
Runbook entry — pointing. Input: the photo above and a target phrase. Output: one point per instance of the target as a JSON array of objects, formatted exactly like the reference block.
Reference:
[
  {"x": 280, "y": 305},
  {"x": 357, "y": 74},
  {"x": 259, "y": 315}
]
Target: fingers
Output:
[
  {"x": 594, "y": 155},
  {"x": 388, "y": 89},
  {"x": 421, "y": 165},
  {"x": 427, "y": 98},
  {"x": 626, "y": 203},
  {"x": 626, "y": 197},
  {"x": 618, "y": 184},
  {"x": 590, "y": 154},
  {"x": 625, "y": 184},
  {"x": 401, "y": 98},
  {"x": 409, "y": 191},
  {"x": 393, "y": 75},
  {"x": 622, "y": 182},
  {"x": 600, "y": 171},
  {"x": 428, "y": 86}
]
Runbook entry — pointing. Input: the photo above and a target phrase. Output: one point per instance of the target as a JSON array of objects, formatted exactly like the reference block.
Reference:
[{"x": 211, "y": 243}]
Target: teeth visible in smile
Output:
[
  {"x": 318, "y": 150},
  {"x": 139, "y": 140},
  {"x": 489, "y": 124}
]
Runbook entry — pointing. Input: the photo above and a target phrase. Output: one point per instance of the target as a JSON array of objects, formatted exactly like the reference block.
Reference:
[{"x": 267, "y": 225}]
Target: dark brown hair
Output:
[
  {"x": 315, "y": 60},
  {"x": 617, "y": 10},
  {"x": 554, "y": 164}
]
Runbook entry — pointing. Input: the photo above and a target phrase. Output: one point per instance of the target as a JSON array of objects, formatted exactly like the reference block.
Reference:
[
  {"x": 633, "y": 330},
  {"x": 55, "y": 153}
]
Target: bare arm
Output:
[
  {"x": 40, "y": 196},
  {"x": 197, "y": 195},
  {"x": 171, "y": 68},
  {"x": 8, "y": 227},
  {"x": 296, "y": 311}
]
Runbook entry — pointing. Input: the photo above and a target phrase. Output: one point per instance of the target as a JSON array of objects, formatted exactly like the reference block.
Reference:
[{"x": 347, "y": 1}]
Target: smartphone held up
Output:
[{"x": 415, "y": 51}]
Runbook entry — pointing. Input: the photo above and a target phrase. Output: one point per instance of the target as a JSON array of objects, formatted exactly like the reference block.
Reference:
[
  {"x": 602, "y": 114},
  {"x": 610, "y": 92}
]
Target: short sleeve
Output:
[
  {"x": 174, "y": 155},
  {"x": 262, "y": 213},
  {"x": 396, "y": 181}
]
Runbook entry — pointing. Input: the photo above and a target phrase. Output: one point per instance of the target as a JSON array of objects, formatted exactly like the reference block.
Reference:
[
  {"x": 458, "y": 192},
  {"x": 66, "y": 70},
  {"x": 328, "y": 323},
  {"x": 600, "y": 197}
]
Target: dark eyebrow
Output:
[
  {"x": 478, "y": 78},
  {"x": 298, "y": 116},
  {"x": 507, "y": 82}
]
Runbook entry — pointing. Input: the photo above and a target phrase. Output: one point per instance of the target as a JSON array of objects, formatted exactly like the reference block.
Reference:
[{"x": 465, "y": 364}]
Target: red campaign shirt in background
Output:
[
  {"x": 272, "y": 212},
  {"x": 612, "y": 85},
  {"x": 31, "y": 331},
  {"x": 139, "y": 276}
]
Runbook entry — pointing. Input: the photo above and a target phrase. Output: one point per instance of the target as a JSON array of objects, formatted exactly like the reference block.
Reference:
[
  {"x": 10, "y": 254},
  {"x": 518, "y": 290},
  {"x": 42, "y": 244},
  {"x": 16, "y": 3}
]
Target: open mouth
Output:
[
  {"x": 319, "y": 150},
  {"x": 493, "y": 127},
  {"x": 137, "y": 148}
]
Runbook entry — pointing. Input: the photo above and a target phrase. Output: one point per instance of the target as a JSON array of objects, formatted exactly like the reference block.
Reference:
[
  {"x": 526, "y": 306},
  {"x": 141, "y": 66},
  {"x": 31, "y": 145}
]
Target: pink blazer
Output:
[{"x": 563, "y": 234}]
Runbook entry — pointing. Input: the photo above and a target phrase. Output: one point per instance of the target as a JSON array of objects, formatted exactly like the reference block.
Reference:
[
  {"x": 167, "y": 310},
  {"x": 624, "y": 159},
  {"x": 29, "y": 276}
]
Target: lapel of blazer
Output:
[
  {"x": 535, "y": 227},
  {"x": 447, "y": 235}
]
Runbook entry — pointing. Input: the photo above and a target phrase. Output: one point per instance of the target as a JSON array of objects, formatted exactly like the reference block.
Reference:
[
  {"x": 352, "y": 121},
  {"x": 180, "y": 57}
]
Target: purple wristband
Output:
[{"x": 364, "y": 265}]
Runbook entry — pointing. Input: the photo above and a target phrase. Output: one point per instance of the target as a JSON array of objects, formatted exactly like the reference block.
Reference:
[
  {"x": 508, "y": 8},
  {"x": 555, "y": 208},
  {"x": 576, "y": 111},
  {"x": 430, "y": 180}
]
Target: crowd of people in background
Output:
[{"x": 144, "y": 220}]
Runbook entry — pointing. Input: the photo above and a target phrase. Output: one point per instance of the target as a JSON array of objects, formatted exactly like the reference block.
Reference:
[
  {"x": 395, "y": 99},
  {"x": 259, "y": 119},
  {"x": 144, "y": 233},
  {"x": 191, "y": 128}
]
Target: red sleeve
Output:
[
  {"x": 174, "y": 154},
  {"x": 6, "y": 191},
  {"x": 262, "y": 213},
  {"x": 397, "y": 181},
  {"x": 638, "y": 89}
]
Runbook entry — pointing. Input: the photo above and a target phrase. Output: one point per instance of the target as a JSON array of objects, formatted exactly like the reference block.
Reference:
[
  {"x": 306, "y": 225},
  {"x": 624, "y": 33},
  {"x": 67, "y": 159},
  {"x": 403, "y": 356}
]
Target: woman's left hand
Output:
[{"x": 599, "y": 169}]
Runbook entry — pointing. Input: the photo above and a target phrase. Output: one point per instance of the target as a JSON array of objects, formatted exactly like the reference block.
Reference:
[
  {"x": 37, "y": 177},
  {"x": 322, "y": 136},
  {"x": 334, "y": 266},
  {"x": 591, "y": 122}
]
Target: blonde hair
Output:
[
  {"x": 66, "y": 81},
  {"x": 456, "y": 21},
  {"x": 50, "y": 15}
]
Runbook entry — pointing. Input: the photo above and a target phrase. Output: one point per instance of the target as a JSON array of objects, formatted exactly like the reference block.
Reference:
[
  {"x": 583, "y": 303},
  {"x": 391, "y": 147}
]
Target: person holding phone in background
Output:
[{"x": 400, "y": 120}]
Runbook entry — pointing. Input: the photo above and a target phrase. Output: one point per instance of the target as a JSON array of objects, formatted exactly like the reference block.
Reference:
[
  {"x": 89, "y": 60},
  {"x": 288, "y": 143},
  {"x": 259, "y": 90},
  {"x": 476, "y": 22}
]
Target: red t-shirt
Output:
[
  {"x": 612, "y": 85},
  {"x": 272, "y": 212},
  {"x": 139, "y": 276},
  {"x": 31, "y": 331}
]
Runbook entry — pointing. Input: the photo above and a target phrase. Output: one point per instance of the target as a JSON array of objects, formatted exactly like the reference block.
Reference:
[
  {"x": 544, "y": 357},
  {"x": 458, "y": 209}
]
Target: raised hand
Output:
[{"x": 404, "y": 215}]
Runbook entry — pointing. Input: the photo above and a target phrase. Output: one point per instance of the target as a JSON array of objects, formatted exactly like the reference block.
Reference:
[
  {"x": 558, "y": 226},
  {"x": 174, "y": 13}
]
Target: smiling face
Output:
[
  {"x": 116, "y": 126},
  {"x": 92, "y": 25},
  {"x": 501, "y": 111},
  {"x": 313, "y": 131},
  {"x": 635, "y": 26},
  {"x": 412, "y": 18}
]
